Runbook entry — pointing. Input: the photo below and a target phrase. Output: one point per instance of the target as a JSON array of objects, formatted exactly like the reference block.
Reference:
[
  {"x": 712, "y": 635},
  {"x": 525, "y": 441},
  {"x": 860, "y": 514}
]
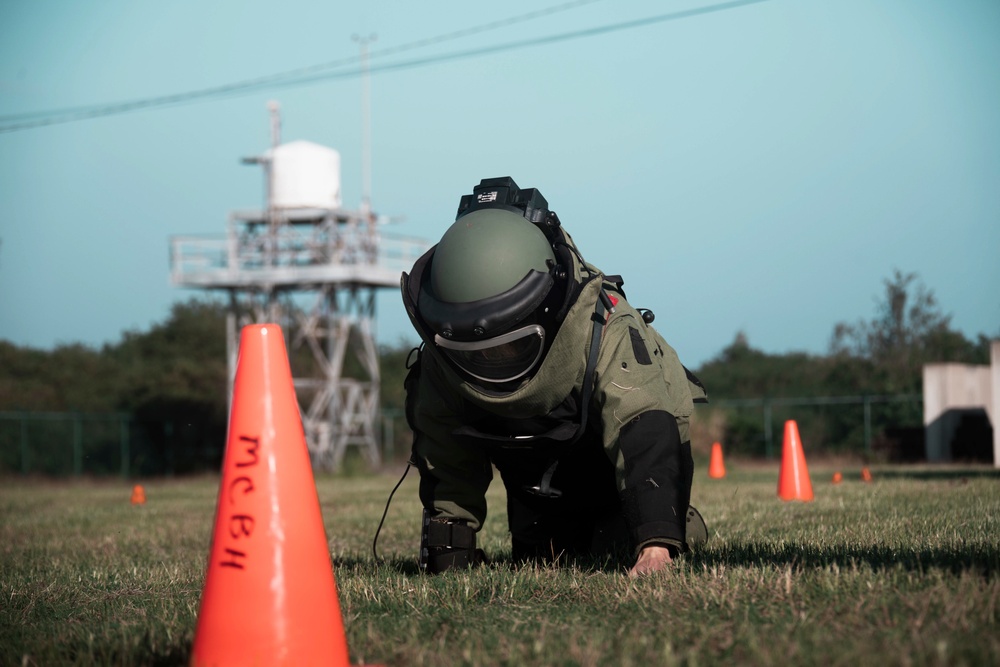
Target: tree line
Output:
[
  {"x": 882, "y": 356},
  {"x": 171, "y": 380}
]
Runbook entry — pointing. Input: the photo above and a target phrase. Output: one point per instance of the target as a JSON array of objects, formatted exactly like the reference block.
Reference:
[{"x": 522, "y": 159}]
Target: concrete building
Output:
[{"x": 961, "y": 409}]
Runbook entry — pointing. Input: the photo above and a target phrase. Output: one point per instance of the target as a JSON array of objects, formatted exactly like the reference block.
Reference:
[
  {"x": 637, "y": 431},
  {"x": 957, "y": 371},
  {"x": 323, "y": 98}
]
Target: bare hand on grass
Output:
[{"x": 651, "y": 559}]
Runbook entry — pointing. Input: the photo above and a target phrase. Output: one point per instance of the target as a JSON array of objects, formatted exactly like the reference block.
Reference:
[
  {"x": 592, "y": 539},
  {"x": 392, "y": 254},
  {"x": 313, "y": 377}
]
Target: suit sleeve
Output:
[
  {"x": 645, "y": 403},
  {"x": 454, "y": 476}
]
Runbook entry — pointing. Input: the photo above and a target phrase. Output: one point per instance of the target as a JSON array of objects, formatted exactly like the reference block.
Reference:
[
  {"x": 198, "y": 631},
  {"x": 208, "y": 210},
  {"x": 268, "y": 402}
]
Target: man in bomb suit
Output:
[{"x": 534, "y": 363}]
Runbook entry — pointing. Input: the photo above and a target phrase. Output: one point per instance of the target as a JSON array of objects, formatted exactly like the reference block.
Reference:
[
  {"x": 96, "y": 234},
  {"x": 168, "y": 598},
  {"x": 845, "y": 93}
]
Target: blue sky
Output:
[{"x": 761, "y": 168}]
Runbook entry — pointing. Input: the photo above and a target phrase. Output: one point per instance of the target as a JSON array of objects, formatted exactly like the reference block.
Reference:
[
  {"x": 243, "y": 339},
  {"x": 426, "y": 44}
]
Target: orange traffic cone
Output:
[
  {"x": 269, "y": 597},
  {"x": 866, "y": 475},
  {"x": 138, "y": 495},
  {"x": 838, "y": 477},
  {"x": 793, "y": 480},
  {"x": 716, "y": 468}
]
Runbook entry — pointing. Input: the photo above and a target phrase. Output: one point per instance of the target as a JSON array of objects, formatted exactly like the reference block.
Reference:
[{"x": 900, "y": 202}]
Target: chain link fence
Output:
[
  {"x": 888, "y": 427},
  {"x": 65, "y": 444}
]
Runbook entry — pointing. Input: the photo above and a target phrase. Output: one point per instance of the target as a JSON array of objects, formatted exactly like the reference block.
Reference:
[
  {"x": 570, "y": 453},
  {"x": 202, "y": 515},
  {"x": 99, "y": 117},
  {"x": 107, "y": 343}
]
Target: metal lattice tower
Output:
[{"x": 312, "y": 267}]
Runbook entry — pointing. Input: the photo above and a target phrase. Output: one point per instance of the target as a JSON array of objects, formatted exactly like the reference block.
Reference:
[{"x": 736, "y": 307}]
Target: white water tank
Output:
[{"x": 305, "y": 175}]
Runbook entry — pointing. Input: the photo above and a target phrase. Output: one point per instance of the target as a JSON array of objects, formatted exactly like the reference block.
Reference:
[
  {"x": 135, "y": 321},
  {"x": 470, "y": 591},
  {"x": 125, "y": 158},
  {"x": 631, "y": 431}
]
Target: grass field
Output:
[{"x": 901, "y": 571}]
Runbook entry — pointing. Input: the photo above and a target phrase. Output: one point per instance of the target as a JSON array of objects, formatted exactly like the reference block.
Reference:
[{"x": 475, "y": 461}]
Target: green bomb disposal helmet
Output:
[{"x": 490, "y": 275}]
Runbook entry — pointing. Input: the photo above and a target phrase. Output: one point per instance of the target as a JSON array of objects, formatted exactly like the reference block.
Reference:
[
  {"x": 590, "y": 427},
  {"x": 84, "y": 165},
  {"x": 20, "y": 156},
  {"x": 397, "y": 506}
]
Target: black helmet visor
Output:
[{"x": 507, "y": 357}]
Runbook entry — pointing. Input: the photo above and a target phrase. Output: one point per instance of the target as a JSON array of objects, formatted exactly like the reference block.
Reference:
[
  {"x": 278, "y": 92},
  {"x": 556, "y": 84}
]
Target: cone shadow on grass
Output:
[
  {"x": 981, "y": 559},
  {"x": 620, "y": 560},
  {"x": 950, "y": 474}
]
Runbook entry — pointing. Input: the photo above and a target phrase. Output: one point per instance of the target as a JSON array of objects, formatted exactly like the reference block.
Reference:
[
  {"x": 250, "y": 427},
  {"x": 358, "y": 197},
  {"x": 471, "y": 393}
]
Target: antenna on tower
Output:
[
  {"x": 274, "y": 109},
  {"x": 274, "y": 113},
  {"x": 366, "y": 140}
]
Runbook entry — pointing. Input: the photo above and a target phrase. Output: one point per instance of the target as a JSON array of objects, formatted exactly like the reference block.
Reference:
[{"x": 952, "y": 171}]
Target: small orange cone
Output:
[
  {"x": 866, "y": 475},
  {"x": 837, "y": 477},
  {"x": 716, "y": 468},
  {"x": 138, "y": 495},
  {"x": 793, "y": 480},
  {"x": 269, "y": 597}
]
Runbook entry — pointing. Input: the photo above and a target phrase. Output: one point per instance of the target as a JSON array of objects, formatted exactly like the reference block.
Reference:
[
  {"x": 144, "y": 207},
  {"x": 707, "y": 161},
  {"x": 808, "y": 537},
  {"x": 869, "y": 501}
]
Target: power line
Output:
[
  {"x": 256, "y": 83},
  {"x": 314, "y": 74},
  {"x": 533, "y": 41}
]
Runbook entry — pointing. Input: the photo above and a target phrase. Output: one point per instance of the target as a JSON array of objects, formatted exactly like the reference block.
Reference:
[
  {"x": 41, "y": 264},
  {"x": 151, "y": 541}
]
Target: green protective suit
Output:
[{"x": 621, "y": 473}]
